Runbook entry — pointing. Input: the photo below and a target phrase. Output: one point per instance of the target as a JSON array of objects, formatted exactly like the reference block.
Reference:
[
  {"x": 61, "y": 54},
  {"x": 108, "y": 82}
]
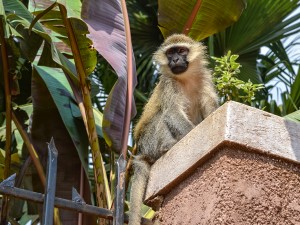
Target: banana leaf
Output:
[
  {"x": 107, "y": 30},
  {"x": 197, "y": 18}
]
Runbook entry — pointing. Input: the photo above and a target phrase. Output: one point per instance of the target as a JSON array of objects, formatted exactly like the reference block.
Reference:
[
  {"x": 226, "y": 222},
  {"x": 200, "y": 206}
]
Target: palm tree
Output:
[{"x": 264, "y": 23}]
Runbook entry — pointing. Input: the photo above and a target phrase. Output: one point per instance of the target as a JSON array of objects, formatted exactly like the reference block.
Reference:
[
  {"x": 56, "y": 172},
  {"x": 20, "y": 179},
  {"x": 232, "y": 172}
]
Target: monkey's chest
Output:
[
  {"x": 190, "y": 91},
  {"x": 192, "y": 105},
  {"x": 193, "y": 112}
]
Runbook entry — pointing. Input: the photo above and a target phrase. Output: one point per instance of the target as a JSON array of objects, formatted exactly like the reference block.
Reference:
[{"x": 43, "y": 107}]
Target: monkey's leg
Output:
[{"x": 138, "y": 187}]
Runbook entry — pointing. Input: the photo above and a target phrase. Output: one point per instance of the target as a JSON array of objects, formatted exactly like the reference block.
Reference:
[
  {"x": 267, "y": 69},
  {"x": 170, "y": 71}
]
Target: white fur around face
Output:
[{"x": 196, "y": 49}]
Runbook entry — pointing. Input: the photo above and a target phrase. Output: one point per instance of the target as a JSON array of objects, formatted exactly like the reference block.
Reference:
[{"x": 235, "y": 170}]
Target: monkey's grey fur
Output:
[{"x": 178, "y": 103}]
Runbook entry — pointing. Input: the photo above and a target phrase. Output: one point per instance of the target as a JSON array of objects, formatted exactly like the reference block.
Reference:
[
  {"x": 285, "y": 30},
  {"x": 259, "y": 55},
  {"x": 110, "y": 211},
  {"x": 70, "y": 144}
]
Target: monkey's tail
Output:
[{"x": 138, "y": 187}]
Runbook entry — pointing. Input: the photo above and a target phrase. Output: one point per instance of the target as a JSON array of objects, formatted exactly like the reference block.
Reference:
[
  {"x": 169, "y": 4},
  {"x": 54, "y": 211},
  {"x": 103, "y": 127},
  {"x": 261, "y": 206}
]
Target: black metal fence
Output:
[{"x": 49, "y": 201}]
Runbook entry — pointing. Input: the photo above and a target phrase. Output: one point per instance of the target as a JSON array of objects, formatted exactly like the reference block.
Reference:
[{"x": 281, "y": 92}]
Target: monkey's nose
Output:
[{"x": 175, "y": 60}]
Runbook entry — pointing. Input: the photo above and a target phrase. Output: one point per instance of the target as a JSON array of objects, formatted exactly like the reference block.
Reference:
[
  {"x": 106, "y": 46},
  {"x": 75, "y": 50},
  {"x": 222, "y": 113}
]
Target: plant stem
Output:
[
  {"x": 99, "y": 170},
  {"x": 5, "y": 69},
  {"x": 129, "y": 93},
  {"x": 33, "y": 154}
]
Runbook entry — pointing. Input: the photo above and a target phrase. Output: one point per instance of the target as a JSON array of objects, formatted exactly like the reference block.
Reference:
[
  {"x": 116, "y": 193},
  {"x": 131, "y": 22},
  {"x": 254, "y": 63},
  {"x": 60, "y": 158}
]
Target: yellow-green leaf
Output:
[{"x": 197, "y": 18}]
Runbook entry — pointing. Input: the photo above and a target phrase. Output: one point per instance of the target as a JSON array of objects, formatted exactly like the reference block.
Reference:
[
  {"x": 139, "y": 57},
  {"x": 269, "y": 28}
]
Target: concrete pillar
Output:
[{"x": 239, "y": 166}]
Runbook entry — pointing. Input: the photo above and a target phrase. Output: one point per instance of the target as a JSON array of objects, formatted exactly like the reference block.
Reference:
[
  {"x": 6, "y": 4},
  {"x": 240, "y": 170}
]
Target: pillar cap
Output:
[{"x": 233, "y": 124}]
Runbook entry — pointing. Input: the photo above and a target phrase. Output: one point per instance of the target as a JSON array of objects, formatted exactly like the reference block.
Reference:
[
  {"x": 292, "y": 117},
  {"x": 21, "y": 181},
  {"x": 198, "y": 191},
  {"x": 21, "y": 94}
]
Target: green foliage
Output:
[{"x": 229, "y": 87}]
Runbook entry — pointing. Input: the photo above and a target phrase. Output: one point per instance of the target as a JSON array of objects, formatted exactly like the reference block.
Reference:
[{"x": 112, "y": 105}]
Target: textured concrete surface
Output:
[
  {"x": 232, "y": 126},
  {"x": 236, "y": 187}
]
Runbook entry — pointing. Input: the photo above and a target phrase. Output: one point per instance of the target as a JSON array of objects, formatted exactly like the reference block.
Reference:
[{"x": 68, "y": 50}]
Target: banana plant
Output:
[
  {"x": 61, "y": 87},
  {"x": 56, "y": 89}
]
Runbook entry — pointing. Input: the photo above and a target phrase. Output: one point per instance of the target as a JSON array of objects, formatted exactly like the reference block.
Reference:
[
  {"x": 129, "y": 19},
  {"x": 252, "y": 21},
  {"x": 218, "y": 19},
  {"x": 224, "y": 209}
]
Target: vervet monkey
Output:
[{"x": 184, "y": 96}]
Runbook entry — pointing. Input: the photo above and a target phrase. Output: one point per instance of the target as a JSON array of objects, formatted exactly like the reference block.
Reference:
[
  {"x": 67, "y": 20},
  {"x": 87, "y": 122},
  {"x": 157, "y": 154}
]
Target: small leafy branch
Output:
[{"x": 228, "y": 86}]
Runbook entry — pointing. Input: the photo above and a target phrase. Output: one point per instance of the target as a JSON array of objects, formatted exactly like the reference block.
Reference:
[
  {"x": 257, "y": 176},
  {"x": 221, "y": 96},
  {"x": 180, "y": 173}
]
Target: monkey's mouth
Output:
[{"x": 179, "y": 69}]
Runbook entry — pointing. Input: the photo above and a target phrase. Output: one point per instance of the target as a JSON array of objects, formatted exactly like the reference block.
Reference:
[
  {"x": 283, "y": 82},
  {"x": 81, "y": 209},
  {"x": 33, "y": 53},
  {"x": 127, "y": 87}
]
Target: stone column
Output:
[{"x": 239, "y": 166}]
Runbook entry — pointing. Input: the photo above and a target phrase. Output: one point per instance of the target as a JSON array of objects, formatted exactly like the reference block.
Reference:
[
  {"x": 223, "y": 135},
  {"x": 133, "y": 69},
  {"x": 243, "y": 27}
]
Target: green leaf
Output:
[
  {"x": 251, "y": 31},
  {"x": 28, "y": 218},
  {"x": 29, "y": 43},
  {"x": 53, "y": 20},
  {"x": 199, "y": 19},
  {"x": 73, "y": 6},
  {"x": 146, "y": 38},
  {"x": 18, "y": 8},
  {"x": 2, "y": 12},
  {"x": 295, "y": 116}
]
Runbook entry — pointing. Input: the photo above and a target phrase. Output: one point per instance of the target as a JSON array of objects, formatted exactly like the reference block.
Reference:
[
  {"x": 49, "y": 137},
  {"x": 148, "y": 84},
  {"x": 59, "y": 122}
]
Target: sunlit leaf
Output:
[
  {"x": 53, "y": 20},
  {"x": 73, "y": 6},
  {"x": 15, "y": 163},
  {"x": 197, "y": 18}
]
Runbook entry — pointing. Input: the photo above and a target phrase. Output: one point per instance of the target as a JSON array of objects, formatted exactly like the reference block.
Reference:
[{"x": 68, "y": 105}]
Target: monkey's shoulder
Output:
[{"x": 149, "y": 118}]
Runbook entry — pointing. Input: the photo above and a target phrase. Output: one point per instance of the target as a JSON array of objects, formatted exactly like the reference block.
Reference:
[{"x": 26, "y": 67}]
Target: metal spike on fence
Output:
[
  {"x": 120, "y": 191},
  {"x": 48, "y": 207},
  {"x": 9, "y": 182},
  {"x": 76, "y": 197}
]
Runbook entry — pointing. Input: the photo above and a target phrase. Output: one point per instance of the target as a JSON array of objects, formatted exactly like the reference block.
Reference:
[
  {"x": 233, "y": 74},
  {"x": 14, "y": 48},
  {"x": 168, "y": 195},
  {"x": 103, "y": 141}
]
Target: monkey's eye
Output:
[
  {"x": 170, "y": 52},
  {"x": 182, "y": 50}
]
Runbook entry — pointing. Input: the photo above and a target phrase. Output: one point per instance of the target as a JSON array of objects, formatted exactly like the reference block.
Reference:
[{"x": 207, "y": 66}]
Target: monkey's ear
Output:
[{"x": 196, "y": 51}]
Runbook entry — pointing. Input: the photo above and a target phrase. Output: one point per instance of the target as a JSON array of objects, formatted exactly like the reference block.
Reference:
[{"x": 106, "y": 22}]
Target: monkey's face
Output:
[{"x": 177, "y": 59}]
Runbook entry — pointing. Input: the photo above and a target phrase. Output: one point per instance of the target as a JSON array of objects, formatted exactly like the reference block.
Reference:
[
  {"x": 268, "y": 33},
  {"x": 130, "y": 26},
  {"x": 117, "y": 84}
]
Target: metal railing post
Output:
[
  {"x": 48, "y": 207},
  {"x": 120, "y": 191}
]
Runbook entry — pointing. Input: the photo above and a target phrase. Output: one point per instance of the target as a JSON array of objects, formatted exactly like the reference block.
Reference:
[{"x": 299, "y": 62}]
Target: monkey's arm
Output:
[{"x": 177, "y": 122}]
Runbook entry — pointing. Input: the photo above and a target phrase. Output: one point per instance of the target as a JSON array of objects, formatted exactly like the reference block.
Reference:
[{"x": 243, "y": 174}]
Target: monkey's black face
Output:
[{"x": 177, "y": 57}]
